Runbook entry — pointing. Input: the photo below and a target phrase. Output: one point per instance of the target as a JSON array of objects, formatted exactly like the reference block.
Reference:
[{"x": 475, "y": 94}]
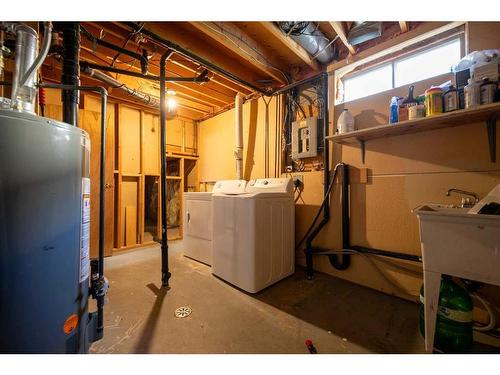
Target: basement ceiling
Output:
[{"x": 258, "y": 53}]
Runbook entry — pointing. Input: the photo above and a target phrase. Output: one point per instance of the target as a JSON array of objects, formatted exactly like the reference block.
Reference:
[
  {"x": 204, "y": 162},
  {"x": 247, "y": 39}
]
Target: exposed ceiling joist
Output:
[
  {"x": 183, "y": 35},
  {"x": 232, "y": 38},
  {"x": 341, "y": 32},
  {"x": 403, "y": 25},
  {"x": 293, "y": 46},
  {"x": 117, "y": 35}
]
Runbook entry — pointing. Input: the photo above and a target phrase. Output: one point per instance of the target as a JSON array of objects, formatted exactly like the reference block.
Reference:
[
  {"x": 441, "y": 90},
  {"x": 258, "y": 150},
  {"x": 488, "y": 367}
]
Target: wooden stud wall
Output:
[{"x": 133, "y": 152}]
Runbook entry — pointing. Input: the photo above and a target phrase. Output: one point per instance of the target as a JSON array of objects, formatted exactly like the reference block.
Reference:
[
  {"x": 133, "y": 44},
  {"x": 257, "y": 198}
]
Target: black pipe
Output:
[
  {"x": 85, "y": 64},
  {"x": 326, "y": 177},
  {"x": 346, "y": 239},
  {"x": 142, "y": 58},
  {"x": 176, "y": 48},
  {"x": 386, "y": 253},
  {"x": 165, "y": 274},
  {"x": 102, "y": 201},
  {"x": 70, "y": 70}
]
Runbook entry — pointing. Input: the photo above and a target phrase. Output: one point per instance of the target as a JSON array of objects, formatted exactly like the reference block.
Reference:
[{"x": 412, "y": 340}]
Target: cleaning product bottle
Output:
[
  {"x": 454, "y": 318},
  {"x": 345, "y": 123},
  {"x": 394, "y": 110}
]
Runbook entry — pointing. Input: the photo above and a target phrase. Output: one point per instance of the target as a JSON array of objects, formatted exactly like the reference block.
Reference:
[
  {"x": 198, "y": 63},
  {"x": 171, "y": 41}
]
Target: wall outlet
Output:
[{"x": 298, "y": 181}]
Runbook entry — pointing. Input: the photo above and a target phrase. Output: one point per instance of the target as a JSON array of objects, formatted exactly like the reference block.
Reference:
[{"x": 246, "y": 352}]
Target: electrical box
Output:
[{"x": 305, "y": 138}]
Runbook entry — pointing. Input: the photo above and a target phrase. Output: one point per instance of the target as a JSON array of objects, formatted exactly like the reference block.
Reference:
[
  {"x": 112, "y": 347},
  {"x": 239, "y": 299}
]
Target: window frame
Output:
[{"x": 363, "y": 69}]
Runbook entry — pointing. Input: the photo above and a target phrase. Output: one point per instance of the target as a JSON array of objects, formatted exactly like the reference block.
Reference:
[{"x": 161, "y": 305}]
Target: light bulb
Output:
[{"x": 171, "y": 104}]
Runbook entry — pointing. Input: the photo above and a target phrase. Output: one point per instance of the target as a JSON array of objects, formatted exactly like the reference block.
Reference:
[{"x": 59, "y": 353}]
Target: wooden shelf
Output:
[
  {"x": 487, "y": 113},
  {"x": 173, "y": 177}
]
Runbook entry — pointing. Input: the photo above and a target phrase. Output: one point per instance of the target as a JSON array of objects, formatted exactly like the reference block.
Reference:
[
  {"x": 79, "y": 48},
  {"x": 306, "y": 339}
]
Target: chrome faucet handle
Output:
[
  {"x": 464, "y": 192},
  {"x": 467, "y": 202}
]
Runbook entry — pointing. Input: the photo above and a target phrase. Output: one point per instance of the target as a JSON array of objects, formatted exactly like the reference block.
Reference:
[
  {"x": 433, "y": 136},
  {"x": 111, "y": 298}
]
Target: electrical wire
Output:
[{"x": 492, "y": 322}]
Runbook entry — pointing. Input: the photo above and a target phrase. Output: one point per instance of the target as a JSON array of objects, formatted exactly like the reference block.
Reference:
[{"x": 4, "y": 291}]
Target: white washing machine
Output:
[
  {"x": 253, "y": 233},
  {"x": 197, "y": 236}
]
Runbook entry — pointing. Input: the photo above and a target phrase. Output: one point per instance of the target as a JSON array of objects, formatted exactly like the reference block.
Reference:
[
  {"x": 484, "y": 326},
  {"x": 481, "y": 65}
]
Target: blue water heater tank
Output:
[{"x": 44, "y": 235}]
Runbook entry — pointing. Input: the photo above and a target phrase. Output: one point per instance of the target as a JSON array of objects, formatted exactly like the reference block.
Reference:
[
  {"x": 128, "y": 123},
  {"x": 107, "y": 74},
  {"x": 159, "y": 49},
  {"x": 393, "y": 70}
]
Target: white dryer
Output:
[
  {"x": 197, "y": 236},
  {"x": 253, "y": 233}
]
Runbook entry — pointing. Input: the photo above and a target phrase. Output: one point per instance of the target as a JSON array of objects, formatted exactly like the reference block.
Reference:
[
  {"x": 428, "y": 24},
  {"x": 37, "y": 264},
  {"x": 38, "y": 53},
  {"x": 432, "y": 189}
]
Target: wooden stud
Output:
[
  {"x": 403, "y": 25},
  {"x": 339, "y": 29},
  {"x": 293, "y": 46},
  {"x": 215, "y": 31}
]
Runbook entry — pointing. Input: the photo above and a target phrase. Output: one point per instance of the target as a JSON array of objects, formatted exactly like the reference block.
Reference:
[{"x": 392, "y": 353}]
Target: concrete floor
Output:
[{"x": 339, "y": 317}]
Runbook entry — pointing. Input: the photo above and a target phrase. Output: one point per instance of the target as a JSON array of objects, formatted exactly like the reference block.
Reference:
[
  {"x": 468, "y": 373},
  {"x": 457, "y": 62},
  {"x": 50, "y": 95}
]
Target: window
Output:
[
  {"x": 426, "y": 64},
  {"x": 403, "y": 71},
  {"x": 368, "y": 83}
]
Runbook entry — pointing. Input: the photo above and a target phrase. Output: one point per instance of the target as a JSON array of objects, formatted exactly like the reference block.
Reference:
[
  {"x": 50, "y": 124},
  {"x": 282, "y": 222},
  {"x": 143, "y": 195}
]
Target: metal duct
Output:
[
  {"x": 23, "y": 96},
  {"x": 138, "y": 95},
  {"x": 364, "y": 31},
  {"x": 310, "y": 38}
]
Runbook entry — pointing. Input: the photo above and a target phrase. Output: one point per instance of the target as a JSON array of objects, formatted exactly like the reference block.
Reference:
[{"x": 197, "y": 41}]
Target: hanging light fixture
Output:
[{"x": 171, "y": 105}]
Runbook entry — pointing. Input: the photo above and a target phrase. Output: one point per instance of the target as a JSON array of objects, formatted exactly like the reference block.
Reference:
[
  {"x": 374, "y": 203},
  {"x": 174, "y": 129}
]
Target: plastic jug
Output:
[{"x": 345, "y": 122}]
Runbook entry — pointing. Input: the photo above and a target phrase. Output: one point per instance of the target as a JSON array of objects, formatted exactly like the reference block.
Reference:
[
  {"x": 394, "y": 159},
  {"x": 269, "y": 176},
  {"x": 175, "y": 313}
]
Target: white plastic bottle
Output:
[{"x": 345, "y": 123}]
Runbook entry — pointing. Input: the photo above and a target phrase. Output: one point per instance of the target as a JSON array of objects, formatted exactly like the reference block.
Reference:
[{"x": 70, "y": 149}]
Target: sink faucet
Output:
[{"x": 466, "y": 202}]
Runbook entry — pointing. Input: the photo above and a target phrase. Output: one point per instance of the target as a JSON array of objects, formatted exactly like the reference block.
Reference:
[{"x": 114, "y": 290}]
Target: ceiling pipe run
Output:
[
  {"x": 138, "y": 95},
  {"x": 182, "y": 51}
]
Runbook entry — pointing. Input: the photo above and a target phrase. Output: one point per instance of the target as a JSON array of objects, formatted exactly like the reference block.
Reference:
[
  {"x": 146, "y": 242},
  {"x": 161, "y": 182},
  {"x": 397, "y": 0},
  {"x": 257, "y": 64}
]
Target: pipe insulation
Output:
[{"x": 238, "y": 152}]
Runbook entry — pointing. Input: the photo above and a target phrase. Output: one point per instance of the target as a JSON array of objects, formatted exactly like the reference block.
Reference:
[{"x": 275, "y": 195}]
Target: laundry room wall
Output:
[
  {"x": 217, "y": 143},
  {"x": 403, "y": 172}
]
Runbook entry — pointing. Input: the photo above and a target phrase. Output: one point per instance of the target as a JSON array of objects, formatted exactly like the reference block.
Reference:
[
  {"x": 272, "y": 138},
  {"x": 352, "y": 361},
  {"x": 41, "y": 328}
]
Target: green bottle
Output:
[{"x": 454, "y": 318}]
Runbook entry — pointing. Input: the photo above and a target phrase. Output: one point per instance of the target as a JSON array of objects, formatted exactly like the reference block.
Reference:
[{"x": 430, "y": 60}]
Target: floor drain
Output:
[{"x": 183, "y": 311}]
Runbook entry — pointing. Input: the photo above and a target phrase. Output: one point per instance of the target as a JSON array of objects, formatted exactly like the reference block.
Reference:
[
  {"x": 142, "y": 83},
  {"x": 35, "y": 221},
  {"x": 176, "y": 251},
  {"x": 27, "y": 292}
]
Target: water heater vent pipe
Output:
[{"x": 238, "y": 152}]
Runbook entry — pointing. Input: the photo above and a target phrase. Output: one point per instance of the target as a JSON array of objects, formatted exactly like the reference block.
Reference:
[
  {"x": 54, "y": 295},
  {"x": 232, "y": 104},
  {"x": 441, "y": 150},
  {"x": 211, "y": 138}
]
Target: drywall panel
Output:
[
  {"x": 130, "y": 139},
  {"x": 381, "y": 217},
  {"x": 151, "y": 143},
  {"x": 217, "y": 142}
]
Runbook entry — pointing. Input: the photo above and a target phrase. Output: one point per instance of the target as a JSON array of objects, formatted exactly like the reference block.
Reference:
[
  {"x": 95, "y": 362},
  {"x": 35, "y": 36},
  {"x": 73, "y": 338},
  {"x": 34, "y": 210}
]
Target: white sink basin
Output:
[{"x": 456, "y": 242}]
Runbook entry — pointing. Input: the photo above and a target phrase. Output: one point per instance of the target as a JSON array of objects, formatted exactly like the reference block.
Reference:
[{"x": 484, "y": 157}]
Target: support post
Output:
[{"x": 165, "y": 274}]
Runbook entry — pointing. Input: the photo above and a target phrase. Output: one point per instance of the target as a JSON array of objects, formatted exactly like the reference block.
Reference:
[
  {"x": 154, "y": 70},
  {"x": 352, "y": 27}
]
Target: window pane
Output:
[
  {"x": 427, "y": 64},
  {"x": 368, "y": 83}
]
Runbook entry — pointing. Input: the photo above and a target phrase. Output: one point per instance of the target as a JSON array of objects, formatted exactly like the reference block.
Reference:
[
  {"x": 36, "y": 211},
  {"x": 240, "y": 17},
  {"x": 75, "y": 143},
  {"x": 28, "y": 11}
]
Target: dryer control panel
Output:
[
  {"x": 233, "y": 187},
  {"x": 275, "y": 185}
]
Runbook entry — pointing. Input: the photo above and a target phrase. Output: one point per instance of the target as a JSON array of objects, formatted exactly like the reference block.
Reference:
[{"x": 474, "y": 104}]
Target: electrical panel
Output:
[{"x": 305, "y": 138}]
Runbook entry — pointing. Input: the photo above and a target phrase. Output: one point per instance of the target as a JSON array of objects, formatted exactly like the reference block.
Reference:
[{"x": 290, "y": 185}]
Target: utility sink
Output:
[
  {"x": 451, "y": 235},
  {"x": 458, "y": 242}
]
